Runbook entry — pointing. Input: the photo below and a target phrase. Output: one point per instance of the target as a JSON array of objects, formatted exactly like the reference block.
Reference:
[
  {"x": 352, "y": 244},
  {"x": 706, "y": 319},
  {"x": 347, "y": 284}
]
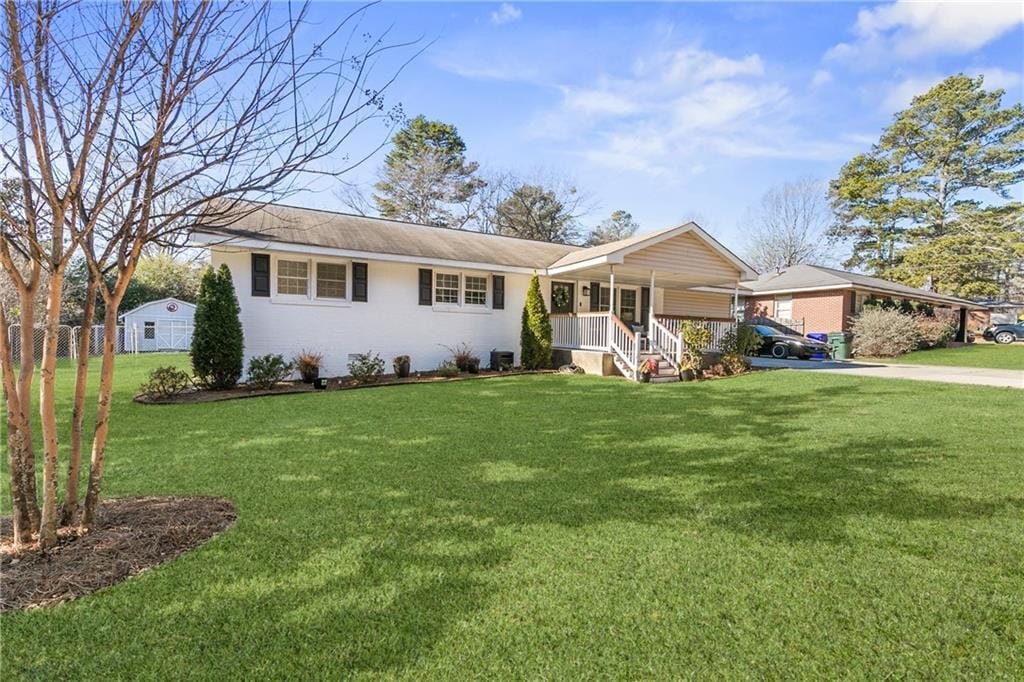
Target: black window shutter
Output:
[
  {"x": 595, "y": 296},
  {"x": 426, "y": 286},
  {"x": 498, "y": 296},
  {"x": 359, "y": 282},
  {"x": 645, "y": 305},
  {"x": 260, "y": 274}
]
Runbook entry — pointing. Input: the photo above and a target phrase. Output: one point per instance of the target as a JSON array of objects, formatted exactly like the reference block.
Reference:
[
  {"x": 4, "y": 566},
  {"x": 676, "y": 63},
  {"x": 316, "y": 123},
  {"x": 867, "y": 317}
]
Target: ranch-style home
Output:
[{"x": 341, "y": 284}]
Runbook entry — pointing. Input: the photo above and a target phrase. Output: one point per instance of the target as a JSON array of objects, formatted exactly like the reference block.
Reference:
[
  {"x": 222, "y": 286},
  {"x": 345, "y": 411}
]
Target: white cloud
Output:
[
  {"x": 821, "y": 77},
  {"x": 675, "y": 108},
  {"x": 899, "y": 94},
  {"x": 506, "y": 14},
  {"x": 907, "y": 29}
]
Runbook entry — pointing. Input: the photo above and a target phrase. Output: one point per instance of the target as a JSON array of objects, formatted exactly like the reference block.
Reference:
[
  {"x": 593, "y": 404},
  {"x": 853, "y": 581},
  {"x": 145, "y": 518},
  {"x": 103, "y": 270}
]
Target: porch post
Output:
[
  {"x": 736, "y": 303},
  {"x": 650, "y": 311},
  {"x": 611, "y": 303}
]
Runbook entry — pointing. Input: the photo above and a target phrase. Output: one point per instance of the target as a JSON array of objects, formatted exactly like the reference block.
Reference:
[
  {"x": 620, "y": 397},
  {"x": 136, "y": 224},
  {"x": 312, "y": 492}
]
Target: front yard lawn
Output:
[
  {"x": 782, "y": 524},
  {"x": 987, "y": 355}
]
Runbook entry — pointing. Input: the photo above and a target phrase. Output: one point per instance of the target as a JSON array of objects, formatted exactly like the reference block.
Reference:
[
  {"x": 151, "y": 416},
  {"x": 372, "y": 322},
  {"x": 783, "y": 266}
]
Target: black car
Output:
[
  {"x": 1005, "y": 333},
  {"x": 779, "y": 345}
]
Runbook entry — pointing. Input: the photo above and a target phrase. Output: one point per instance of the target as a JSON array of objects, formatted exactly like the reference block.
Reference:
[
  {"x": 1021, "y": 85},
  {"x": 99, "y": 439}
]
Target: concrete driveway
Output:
[{"x": 952, "y": 375}]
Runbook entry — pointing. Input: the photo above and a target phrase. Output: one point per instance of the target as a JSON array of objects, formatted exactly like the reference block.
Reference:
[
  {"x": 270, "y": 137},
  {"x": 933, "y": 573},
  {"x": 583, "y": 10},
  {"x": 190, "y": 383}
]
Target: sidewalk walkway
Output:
[{"x": 955, "y": 375}]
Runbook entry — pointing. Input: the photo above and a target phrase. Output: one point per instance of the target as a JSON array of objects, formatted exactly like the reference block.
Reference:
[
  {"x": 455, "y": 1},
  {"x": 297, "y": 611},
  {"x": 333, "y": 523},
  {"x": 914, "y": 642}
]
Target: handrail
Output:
[
  {"x": 623, "y": 343},
  {"x": 666, "y": 343},
  {"x": 586, "y": 332}
]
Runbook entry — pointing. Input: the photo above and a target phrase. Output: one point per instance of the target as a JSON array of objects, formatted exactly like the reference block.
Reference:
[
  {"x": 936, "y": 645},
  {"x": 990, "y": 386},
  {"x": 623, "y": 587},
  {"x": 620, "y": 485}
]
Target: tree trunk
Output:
[
  {"x": 99, "y": 442},
  {"x": 21, "y": 516},
  {"x": 48, "y": 409},
  {"x": 70, "y": 509}
]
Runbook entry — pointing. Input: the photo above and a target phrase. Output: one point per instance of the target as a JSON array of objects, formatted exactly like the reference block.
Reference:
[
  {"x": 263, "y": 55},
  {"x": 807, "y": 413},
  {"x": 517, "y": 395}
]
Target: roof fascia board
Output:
[
  {"x": 607, "y": 259},
  {"x": 210, "y": 240}
]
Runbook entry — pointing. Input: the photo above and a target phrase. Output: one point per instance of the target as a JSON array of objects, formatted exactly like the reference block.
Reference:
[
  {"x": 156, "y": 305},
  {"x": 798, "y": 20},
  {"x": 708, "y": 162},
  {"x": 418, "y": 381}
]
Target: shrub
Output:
[
  {"x": 165, "y": 382},
  {"x": 935, "y": 333},
  {"x": 401, "y": 364},
  {"x": 736, "y": 345},
  {"x": 308, "y": 364},
  {"x": 366, "y": 367},
  {"x": 884, "y": 333},
  {"x": 536, "y": 333},
  {"x": 217, "y": 339},
  {"x": 267, "y": 370},
  {"x": 463, "y": 358},
  {"x": 696, "y": 339},
  {"x": 447, "y": 369}
]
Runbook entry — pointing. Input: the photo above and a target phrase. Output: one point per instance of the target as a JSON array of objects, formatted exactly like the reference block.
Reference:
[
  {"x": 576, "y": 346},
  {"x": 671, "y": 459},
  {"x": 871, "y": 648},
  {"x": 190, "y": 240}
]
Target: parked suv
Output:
[{"x": 1005, "y": 333}]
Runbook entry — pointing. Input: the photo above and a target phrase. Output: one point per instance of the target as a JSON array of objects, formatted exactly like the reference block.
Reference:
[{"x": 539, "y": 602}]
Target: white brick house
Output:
[{"x": 340, "y": 284}]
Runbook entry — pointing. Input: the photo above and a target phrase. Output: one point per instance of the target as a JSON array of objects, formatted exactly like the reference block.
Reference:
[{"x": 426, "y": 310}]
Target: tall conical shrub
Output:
[
  {"x": 536, "y": 334},
  {"x": 217, "y": 342}
]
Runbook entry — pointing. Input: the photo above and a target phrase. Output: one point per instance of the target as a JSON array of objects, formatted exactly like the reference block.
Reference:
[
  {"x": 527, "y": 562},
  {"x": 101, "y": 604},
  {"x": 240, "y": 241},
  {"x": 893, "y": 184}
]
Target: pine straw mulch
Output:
[
  {"x": 133, "y": 535},
  {"x": 333, "y": 384}
]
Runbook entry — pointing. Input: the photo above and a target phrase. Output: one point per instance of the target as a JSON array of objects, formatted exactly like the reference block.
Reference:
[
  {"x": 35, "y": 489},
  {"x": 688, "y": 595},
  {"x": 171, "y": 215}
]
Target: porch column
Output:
[
  {"x": 961, "y": 332},
  {"x": 736, "y": 304},
  {"x": 611, "y": 303},
  {"x": 650, "y": 311}
]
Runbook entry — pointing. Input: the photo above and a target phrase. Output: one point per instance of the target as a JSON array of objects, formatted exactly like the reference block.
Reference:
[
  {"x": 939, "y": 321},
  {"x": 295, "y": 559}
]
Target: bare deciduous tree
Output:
[
  {"x": 159, "y": 117},
  {"x": 788, "y": 227}
]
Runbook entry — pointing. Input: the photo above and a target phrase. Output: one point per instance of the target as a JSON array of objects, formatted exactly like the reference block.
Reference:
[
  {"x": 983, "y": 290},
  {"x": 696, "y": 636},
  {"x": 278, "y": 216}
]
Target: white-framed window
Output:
[
  {"x": 627, "y": 305},
  {"x": 293, "y": 277},
  {"x": 446, "y": 288},
  {"x": 476, "y": 290},
  {"x": 604, "y": 299},
  {"x": 784, "y": 307},
  {"x": 331, "y": 280},
  {"x": 149, "y": 330}
]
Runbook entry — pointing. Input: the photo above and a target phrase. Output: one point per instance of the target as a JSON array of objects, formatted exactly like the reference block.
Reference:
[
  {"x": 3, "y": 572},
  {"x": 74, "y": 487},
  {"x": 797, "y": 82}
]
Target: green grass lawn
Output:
[
  {"x": 978, "y": 355},
  {"x": 783, "y": 524}
]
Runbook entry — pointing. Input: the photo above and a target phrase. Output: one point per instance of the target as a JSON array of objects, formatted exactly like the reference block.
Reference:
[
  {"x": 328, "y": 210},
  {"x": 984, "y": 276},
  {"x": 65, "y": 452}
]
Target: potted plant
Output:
[
  {"x": 402, "y": 365},
  {"x": 646, "y": 369},
  {"x": 472, "y": 364},
  {"x": 308, "y": 365}
]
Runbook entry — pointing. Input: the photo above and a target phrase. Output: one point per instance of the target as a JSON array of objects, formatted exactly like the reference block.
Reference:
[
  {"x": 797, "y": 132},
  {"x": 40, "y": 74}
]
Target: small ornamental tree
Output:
[
  {"x": 536, "y": 335},
  {"x": 217, "y": 340}
]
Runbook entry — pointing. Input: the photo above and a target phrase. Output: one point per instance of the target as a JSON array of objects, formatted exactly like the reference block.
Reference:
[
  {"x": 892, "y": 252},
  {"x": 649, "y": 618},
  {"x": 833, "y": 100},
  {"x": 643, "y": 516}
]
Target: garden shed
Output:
[{"x": 164, "y": 325}]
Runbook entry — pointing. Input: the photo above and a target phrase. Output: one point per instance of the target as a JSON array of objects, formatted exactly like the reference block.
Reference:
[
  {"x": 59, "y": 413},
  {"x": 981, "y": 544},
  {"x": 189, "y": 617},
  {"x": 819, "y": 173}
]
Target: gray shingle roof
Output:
[
  {"x": 314, "y": 227},
  {"x": 811, "y": 277}
]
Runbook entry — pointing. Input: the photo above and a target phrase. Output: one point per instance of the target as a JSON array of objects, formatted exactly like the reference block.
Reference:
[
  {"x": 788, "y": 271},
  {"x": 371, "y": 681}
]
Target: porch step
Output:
[{"x": 664, "y": 378}]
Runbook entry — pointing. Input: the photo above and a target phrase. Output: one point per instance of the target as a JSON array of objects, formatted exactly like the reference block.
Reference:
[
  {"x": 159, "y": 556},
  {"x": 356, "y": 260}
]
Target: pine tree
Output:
[
  {"x": 536, "y": 334},
  {"x": 217, "y": 341}
]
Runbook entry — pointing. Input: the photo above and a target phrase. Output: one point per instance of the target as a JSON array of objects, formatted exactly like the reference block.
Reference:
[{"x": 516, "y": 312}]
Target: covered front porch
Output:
[{"x": 630, "y": 301}]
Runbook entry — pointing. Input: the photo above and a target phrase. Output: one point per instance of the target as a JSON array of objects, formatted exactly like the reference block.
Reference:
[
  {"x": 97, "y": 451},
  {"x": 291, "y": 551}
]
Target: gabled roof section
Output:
[
  {"x": 811, "y": 277},
  {"x": 353, "y": 233},
  {"x": 615, "y": 251}
]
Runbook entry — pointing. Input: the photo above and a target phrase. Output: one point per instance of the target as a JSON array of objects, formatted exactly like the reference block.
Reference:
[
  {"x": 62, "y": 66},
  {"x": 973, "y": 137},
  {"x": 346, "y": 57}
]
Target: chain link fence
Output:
[{"x": 126, "y": 340}]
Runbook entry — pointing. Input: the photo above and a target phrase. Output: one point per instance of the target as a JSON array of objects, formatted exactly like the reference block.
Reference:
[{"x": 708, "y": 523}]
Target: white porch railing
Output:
[
  {"x": 625, "y": 347},
  {"x": 719, "y": 328},
  {"x": 586, "y": 331},
  {"x": 666, "y": 342}
]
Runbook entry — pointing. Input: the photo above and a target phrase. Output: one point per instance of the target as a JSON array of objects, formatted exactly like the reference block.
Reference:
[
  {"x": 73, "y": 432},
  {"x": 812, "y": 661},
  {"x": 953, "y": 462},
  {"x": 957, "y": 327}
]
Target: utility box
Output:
[{"x": 502, "y": 360}]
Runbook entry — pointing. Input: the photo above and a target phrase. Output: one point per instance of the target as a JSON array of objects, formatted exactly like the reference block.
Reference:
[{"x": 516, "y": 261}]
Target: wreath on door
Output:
[{"x": 560, "y": 297}]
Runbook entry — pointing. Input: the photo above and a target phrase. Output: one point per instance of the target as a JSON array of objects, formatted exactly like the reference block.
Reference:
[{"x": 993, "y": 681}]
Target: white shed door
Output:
[{"x": 173, "y": 334}]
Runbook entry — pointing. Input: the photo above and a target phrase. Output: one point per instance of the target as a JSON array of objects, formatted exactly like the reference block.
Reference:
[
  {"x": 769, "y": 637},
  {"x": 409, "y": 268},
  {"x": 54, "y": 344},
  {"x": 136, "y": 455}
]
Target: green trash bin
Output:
[{"x": 840, "y": 342}]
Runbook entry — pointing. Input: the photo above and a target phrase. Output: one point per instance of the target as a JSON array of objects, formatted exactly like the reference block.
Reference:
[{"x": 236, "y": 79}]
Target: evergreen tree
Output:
[
  {"x": 426, "y": 177},
  {"x": 217, "y": 341},
  {"x": 536, "y": 334},
  {"x": 620, "y": 225}
]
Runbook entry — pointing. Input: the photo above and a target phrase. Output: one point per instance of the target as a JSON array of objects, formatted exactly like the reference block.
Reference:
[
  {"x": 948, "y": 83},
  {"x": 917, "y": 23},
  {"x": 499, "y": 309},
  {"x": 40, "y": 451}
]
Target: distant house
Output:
[
  {"x": 341, "y": 284},
  {"x": 999, "y": 311},
  {"x": 811, "y": 298},
  {"x": 164, "y": 325}
]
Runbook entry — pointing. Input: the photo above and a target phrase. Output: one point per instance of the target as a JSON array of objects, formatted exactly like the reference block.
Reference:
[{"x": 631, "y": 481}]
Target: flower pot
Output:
[
  {"x": 687, "y": 375},
  {"x": 402, "y": 366},
  {"x": 645, "y": 378},
  {"x": 310, "y": 375},
  {"x": 473, "y": 366},
  {"x": 320, "y": 384}
]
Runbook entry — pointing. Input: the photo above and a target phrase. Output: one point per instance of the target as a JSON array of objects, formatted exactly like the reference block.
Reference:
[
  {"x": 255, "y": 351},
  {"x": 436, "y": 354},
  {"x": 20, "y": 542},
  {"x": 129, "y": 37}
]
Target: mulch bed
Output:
[
  {"x": 133, "y": 535},
  {"x": 335, "y": 384}
]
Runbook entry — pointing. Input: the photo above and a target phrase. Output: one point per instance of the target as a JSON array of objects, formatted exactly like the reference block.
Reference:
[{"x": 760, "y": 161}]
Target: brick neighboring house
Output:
[{"x": 811, "y": 298}]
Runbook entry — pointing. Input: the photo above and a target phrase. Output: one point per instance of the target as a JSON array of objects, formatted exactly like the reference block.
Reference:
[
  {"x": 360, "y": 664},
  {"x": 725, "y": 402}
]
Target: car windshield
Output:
[{"x": 765, "y": 331}]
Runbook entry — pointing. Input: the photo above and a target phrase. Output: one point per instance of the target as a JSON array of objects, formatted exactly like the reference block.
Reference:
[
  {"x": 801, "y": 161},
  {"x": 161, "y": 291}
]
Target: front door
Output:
[{"x": 563, "y": 297}]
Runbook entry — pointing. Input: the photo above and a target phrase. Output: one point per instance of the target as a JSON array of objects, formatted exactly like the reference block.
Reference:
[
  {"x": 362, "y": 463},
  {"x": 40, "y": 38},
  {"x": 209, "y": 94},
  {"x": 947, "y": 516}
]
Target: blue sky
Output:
[{"x": 675, "y": 110}]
